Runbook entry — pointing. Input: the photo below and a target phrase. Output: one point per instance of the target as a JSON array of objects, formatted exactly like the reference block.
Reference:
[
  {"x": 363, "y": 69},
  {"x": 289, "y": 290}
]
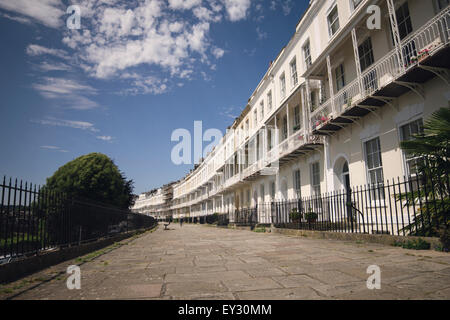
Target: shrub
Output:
[
  {"x": 311, "y": 216},
  {"x": 295, "y": 215},
  {"x": 418, "y": 244}
]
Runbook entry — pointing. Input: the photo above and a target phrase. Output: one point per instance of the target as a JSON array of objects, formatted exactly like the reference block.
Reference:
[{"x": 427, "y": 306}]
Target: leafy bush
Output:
[
  {"x": 311, "y": 216},
  {"x": 418, "y": 244},
  {"x": 295, "y": 215}
]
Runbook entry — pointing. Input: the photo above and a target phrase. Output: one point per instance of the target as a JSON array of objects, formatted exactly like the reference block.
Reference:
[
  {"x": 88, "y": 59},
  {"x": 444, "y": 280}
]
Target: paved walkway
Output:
[{"x": 199, "y": 262}]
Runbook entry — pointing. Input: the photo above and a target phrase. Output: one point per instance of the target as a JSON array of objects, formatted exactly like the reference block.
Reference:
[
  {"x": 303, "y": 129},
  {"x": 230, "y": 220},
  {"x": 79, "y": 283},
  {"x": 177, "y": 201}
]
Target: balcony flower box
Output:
[
  {"x": 321, "y": 121},
  {"x": 423, "y": 54}
]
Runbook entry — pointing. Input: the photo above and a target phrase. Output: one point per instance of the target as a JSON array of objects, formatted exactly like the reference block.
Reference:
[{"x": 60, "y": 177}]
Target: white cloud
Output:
[
  {"x": 37, "y": 50},
  {"x": 82, "y": 125},
  {"x": 105, "y": 138},
  {"x": 46, "y": 66},
  {"x": 237, "y": 9},
  {"x": 46, "y": 12},
  {"x": 157, "y": 39},
  {"x": 205, "y": 14},
  {"x": 261, "y": 34},
  {"x": 229, "y": 113},
  {"x": 218, "y": 53},
  {"x": 286, "y": 6},
  {"x": 16, "y": 18},
  {"x": 184, "y": 4},
  {"x": 54, "y": 148},
  {"x": 69, "y": 93}
]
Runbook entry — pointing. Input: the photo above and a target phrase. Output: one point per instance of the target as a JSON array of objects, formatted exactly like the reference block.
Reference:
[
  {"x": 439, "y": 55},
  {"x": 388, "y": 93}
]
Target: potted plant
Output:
[
  {"x": 349, "y": 102},
  {"x": 295, "y": 215},
  {"x": 311, "y": 217}
]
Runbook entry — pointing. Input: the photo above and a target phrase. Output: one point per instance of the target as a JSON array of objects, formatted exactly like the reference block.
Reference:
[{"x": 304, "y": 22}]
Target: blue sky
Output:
[{"x": 135, "y": 72}]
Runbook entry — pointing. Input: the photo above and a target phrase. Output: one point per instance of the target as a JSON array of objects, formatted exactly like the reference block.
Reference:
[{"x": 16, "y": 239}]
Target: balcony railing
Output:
[
  {"x": 321, "y": 115},
  {"x": 347, "y": 96},
  {"x": 419, "y": 45}
]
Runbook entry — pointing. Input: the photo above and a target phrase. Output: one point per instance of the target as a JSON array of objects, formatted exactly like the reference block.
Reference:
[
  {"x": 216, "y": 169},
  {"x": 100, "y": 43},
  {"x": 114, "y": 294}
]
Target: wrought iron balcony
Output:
[{"x": 421, "y": 56}]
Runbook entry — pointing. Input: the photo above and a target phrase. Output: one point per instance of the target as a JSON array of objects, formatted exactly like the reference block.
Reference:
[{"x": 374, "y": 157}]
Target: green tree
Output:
[
  {"x": 95, "y": 177},
  {"x": 433, "y": 147}
]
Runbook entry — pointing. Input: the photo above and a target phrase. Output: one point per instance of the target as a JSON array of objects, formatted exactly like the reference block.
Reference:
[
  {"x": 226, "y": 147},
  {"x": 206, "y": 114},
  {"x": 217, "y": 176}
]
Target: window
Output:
[
  {"x": 374, "y": 168},
  {"x": 333, "y": 21},
  {"x": 297, "y": 118},
  {"x": 272, "y": 190},
  {"x": 246, "y": 129},
  {"x": 407, "y": 133},
  {"x": 262, "y": 191},
  {"x": 403, "y": 20},
  {"x": 315, "y": 178},
  {"x": 313, "y": 99},
  {"x": 269, "y": 100},
  {"x": 261, "y": 106},
  {"x": 285, "y": 128},
  {"x": 297, "y": 183},
  {"x": 255, "y": 118},
  {"x": 283, "y": 86},
  {"x": 442, "y": 4},
  {"x": 366, "y": 59},
  {"x": 366, "y": 54},
  {"x": 340, "y": 77},
  {"x": 404, "y": 29},
  {"x": 294, "y": 75},
  {"x": 307, "y": 54},
  {"x": 355, "y": 3},
  {"x": 269, "y": 139},
  {"x": 248, "y": 198}
]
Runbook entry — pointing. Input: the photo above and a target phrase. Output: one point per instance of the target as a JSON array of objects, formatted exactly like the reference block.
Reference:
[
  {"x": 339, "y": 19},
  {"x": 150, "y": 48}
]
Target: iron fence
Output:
[
  {"x": 33, "y": 219},
  {"x": 412, "y": 206},
  {"x": 246, "y": 217}
]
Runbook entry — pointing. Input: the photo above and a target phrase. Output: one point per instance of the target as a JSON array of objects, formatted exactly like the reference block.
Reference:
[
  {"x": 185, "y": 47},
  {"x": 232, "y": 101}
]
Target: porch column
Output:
[
  {"x": 307, "y": 106},
  {"x": 255, "y": 145},
  {"x": 288, "y": 121},
  {"x": 330, "y": 83},
  {"x": 357, "y": 61},
  {"x": 328, "y": 169},
  {"x": 395, "y": 32}
]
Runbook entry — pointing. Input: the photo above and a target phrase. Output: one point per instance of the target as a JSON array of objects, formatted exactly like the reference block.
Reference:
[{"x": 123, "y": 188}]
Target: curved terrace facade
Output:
[{"x": 331, "y": 110}]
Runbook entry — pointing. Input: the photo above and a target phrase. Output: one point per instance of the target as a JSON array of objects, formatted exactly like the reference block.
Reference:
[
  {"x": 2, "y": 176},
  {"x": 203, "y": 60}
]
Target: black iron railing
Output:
[
  {"x": 246, "y": 217},
  {"x": 412, "y": 206},
  {"x": 33, "y": 219}
]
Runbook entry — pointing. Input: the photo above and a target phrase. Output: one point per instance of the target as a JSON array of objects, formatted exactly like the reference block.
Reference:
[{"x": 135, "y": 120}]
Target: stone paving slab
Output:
[{"x": 196, "y": 262}]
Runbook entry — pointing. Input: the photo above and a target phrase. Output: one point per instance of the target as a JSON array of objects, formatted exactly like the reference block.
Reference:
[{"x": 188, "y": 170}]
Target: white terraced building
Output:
[
  {"x": 331, "y": 110},
  {"x": 156, "y": 203}
]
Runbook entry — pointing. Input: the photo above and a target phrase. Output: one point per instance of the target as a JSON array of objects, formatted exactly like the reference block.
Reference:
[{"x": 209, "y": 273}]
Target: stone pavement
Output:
[{"x": 199, "y": 262}]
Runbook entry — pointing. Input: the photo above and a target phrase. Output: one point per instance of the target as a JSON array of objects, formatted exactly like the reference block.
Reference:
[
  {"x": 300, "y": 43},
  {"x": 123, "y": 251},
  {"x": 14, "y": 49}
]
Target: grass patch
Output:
[
  {"x": 260, "y": 230},
  {"x": 417, "y": 244}
]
